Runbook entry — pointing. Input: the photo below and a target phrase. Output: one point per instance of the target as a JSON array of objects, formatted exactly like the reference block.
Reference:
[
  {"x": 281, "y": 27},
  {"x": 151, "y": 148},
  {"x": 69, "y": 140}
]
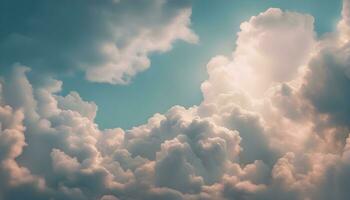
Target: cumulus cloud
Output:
[
  {"x": 271, "y": 47},
  {"x": 283, "y": 134},
  {"x": 109, "y": 40}
]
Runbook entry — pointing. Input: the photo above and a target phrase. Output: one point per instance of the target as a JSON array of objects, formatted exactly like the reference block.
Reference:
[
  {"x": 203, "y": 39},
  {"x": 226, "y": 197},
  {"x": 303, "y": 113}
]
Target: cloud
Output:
[
  {"x": 73, "y": 102},
  {"x": 108, "y": 40},
  {"x": 271, "y": 48},
  {"x": 288, "y": 138}
]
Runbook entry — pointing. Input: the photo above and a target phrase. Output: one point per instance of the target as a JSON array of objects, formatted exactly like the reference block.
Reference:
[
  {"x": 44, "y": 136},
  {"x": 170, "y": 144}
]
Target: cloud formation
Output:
[
  {"x": 283, "y": 134},
  {"x": 109, "y": 40}
]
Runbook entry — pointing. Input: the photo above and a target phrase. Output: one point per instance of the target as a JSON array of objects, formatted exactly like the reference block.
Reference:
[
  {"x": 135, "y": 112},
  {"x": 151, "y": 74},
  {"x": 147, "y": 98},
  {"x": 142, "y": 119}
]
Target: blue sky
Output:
[{"x": 174, "y": 77}]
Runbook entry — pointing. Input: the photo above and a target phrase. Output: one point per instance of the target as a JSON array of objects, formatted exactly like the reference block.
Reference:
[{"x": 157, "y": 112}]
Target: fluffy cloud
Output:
[
  {"x": 109, "y": 40},
  {"x": 283, "y": 134},
  {"x": 271, "y": 47}
]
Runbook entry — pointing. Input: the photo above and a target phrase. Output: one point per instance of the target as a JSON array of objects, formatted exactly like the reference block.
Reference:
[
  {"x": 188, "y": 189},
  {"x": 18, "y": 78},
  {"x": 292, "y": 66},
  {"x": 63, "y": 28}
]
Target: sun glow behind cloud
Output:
[{"x": 274, "y": 123}]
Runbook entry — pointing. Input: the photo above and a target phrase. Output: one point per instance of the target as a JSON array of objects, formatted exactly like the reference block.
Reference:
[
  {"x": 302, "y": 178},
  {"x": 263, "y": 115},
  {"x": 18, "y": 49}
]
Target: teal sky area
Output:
[{"x": 174, "y": 77}]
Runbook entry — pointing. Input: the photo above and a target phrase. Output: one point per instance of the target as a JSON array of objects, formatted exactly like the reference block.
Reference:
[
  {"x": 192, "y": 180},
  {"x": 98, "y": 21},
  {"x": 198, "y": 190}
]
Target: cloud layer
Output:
[
  {"x": 274, "y": 124},
  {"x": 110, "y": 40}
]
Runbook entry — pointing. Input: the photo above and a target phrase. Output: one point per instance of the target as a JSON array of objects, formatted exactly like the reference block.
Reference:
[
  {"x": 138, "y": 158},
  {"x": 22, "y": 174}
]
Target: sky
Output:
[
  {"x": 183, "y": 69},
  {"x": 174, "y": 99}
]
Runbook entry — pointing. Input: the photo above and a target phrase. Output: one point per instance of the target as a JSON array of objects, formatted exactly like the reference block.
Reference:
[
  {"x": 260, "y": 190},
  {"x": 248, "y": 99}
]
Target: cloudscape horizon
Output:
[{"x": 273, "y": 123}]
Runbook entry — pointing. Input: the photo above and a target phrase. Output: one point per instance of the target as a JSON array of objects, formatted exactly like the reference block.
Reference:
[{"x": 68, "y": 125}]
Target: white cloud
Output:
[
  {"x": 125, "y": 62},
  {"x": 73, "y": 102},
  {"x": 271, "y": 47}
]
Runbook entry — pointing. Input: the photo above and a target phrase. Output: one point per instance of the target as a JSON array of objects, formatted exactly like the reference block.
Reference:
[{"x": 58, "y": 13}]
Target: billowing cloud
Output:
[
  {"x": 273, "y": 124},
  {"x": 109, "y": 40},
  {"x": 271, "y": 47}
]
